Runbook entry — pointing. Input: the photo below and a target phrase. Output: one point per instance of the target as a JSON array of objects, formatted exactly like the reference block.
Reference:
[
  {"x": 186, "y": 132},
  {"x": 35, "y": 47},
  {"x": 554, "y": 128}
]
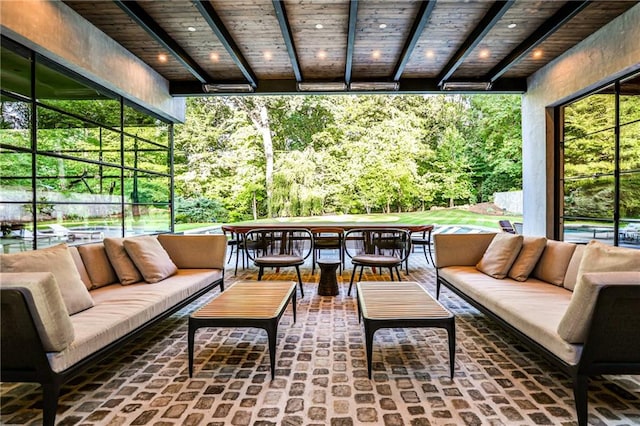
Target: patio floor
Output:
[{"x": 321, "y": 374}]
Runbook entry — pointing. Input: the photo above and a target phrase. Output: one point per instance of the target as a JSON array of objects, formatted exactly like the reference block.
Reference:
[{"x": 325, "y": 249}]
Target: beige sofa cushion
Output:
[
  {"x": 500, "y": 255},
  {"x": 599, "y": 257},
  {"x": 84, "y": 275},
  {"x": 532, "y": 248},
  {"x": 570, "y": 278},
  {"x": 576, "y": 321},
  {"x": 554, "y": 262},
  {"x": 121, "y": 262},
  {"x": 195, "y": 251},
  {"x": 47, "y": 307},
  {"x": 97, "y": 264},
  {"x": 58, "y": 261},
  {"x": 150, "y": 258}
]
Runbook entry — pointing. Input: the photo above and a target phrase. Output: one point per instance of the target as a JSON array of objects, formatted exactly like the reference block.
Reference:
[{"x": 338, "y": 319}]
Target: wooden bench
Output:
[
  {"x": 246, "y": 304},
  {"x": 401, "y": 304}
]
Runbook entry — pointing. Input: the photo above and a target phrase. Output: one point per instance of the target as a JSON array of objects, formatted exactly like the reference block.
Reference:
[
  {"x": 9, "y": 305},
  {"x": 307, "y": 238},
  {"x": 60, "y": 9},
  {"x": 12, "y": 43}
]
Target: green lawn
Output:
[{"x": 435, "y": 217}]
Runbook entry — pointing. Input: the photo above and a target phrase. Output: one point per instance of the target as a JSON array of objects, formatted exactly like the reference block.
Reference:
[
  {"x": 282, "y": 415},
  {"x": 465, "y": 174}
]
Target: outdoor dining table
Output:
[{"x": 241, "y": 229}]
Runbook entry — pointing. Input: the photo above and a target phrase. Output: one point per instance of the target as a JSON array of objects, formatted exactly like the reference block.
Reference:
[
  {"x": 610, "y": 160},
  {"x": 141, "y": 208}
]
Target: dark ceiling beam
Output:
[
  {"x": 407, "y": 85},
  {"x": 550, "y": 26},
  {"x": 281, "y": 15},
  {"x": 418, "y": 25},
  {"x": 351, "y": 39},
  {"x": 142, "y": 18},
  {"x": 492, "y": 17},
  {"x": 214, "y": 21}
]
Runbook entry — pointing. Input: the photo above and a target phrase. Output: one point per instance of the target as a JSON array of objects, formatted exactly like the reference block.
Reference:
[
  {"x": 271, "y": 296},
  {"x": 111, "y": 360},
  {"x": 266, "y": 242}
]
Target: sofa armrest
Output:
[
  {"x": 195, "y": 251},
  {"x": 460, "y": 249},
  {"x": 44, "y": 304}
]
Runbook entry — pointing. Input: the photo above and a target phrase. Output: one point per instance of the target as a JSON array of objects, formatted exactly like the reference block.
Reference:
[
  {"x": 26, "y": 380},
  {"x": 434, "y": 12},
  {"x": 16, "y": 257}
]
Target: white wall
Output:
[
  {"x": 611, "y": 52},
  {"x": 56, "y": 31}
]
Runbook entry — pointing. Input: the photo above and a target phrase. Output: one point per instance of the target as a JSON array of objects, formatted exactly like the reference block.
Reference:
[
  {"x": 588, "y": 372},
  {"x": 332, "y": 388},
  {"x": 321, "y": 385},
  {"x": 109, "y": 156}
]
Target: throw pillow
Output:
[
  {"x": 599, "y": 257},
  {"x": 554, "y": 262},
  {"x": 121, "y": 262},
  {"x": 150, "y": 258},
  {"x": 84, "y": 275},
  {"x": 575, "y": 322},
  {"x": 58, "y": 261},
  {"x": 532, "y": 248},
  {"x": 500, "y": 255},
  {"x": 571, "y": 277},
  {"x": 97, "y": 264}
]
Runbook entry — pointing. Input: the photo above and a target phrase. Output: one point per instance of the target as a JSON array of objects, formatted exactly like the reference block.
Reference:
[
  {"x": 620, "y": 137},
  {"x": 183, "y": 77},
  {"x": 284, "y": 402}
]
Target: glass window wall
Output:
[
  {"x": 94, "y": 166},
  {"x": 600, "y": 152}
]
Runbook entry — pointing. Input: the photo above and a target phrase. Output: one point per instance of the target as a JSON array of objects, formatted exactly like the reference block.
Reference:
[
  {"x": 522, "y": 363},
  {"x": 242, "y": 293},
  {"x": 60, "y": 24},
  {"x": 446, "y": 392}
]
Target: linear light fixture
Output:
[
  {"x": 228, "y": 88},
  {"x": 383, "y": 86},
  {"x": 466, "y": 85},
  {"x": 322, "y": 86}
]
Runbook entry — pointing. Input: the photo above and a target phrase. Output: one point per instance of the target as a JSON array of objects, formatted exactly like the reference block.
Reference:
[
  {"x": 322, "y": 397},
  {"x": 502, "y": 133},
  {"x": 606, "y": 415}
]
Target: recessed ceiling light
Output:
[
  {"x": 192, "y": 29},
  {"x": 319, "y": 26},
  {"x": 537, "y": 53},
  {"x": 429, "y": 54},
  {"x": 268, "y": 55},
  {"x": 214, "y": 56},
  {"x": 512, "y": 25},
  {"x": 322, "y": 54},
  {"x": 484, "y": 53},
  {"x": 382, "y": 26},
  {"x": 375, "y": 54},
  {"x": 162, "y": 57}
]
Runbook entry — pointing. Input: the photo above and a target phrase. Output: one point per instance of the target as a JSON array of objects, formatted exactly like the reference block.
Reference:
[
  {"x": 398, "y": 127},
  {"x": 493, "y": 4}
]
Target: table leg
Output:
[
  {"x": 272, "y": 334},
  {"x": 368, "y": 337},
  {"x": 190, "y": 341},
  {"x": 451, "y": 332}
]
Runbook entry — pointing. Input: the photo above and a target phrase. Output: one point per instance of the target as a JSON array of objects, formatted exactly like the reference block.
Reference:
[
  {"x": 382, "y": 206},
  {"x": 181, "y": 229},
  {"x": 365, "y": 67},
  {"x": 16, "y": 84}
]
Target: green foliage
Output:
[
  {"x": 199, "y": 210},
  {"x": 347, "y": 154}
]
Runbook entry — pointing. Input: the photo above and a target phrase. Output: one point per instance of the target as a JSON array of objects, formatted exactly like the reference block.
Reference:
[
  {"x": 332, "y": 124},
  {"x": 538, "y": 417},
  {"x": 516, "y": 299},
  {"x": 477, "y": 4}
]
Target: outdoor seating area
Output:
[{"x": 324, "y": 353}]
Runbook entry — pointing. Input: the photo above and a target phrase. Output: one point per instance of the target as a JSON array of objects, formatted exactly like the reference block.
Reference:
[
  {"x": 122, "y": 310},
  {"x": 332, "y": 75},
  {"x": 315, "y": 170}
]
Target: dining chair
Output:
[
  {"x": 423, "y": 239},
  {"x": 279, "y": 248},
  {"x": 377, "y": 248},
  {"x": 234, "y": 242},
  {"x": 325, "y": 238}
]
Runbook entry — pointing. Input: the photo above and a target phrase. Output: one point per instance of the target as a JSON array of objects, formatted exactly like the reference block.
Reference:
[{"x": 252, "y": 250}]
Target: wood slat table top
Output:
[
  {"x": 249, "y": 300},
  {"x": 398, "y": 300}
]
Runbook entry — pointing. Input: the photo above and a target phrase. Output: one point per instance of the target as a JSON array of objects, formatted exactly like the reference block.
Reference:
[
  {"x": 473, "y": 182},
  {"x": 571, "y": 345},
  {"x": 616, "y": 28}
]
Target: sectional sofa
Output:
[
  {"x": 577, "y": 305},
  {"x": 63, "y": 307}
]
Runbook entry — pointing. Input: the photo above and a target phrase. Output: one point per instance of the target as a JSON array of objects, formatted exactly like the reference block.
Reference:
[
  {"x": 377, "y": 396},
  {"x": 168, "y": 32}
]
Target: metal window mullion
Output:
[
  {"x": 34, "y": 147},
  {"x": 172, "y": 210},
  {"x": 122, "y": 210},
  {"x": 616, "y": 169}
]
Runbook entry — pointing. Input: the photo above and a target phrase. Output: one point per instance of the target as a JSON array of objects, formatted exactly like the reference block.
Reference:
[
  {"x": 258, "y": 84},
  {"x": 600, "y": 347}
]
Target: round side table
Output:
[{"x": 328, "y": 284}]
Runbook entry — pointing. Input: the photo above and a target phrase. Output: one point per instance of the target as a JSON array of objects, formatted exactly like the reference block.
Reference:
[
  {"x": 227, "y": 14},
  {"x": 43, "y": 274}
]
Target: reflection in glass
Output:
[
  {"x": 589, "y": 198},
  {"x": 147, "y": 219},
  {"x": 630, "y": 100},
  {"x": 15, "y": 175},
  {"x": 16, "y": 70},
  {"x": 593, "y": 154},
  {"x": 15, "y": 123},
  {"x": 580, "y": 231},
  {"x": 146, "y": 189},
  {"x": 591, "y": 114},
  {"x": 630, "y": 146},
  {"x": 630, "y": 195}
]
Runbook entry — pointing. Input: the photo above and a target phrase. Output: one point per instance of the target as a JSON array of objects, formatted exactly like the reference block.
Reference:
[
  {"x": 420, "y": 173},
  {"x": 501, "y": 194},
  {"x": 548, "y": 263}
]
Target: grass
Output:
[{"x": 435, "y": 217}]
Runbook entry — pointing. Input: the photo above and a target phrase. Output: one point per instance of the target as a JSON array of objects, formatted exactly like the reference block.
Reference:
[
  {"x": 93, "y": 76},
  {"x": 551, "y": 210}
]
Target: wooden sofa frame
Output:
[
  {"x": 612, "y": 345},
  {"x": 25, "y": 360}
]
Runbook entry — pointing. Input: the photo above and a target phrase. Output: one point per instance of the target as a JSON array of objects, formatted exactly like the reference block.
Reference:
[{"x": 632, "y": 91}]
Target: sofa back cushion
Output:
[
  {"x": 45, "y": 303},
  {"x": 500, "y": 255},
  {"x": 150, "y": 258},
  {"x": 121, "y": 262},
  {"x": 58, "y": 261},
  {"x": 96, "y": 261},
  {"x": 195, "y": 251},
  {"x": 599, "y": 257},
  {"x": 575, "y": 323},
  {"x": 84, "y": 275},
  {"x": 532, "y": 248},
  {"x": 571, "y": 277},
  {"x": 554, "y": 262}
]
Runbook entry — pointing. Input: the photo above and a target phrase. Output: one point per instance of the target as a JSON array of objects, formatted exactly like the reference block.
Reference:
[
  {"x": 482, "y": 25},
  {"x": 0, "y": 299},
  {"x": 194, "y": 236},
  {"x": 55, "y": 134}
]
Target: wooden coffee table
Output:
[
  {"x": 246, "y": 304},
  {"x": 399, "y": 305}
]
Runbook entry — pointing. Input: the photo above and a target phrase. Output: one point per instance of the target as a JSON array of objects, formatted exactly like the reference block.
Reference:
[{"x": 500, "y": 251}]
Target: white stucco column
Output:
[
  {"x": 609, "y": 53},
  {"x": 57, "y": 32}
]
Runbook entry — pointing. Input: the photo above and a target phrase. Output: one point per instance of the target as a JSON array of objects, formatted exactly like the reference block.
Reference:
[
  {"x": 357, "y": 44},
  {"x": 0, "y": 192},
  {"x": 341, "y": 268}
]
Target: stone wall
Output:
[{"x": 509, "y": 201}]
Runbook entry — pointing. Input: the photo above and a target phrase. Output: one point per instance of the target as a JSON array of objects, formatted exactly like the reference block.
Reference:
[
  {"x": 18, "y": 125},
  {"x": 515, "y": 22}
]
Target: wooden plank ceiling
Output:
[{"x": 269, "y": 46}]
